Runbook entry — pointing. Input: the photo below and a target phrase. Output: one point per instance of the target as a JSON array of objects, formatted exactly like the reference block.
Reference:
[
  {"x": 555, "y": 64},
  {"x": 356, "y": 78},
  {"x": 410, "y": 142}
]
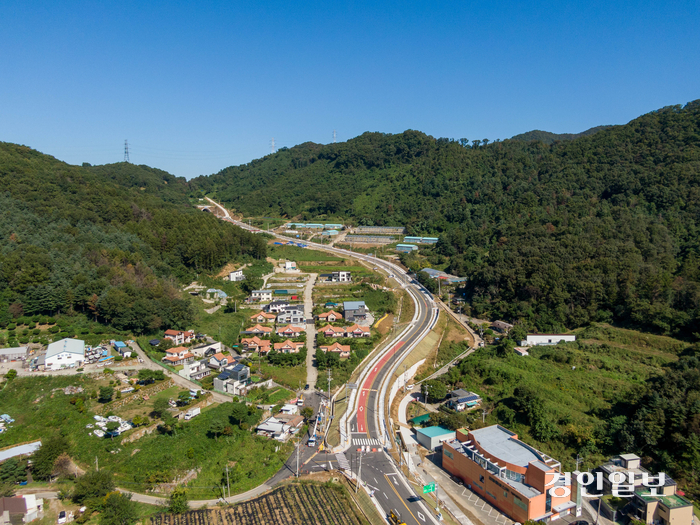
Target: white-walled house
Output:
[
  {"x": 236, "y": 275},
  {"x": 547, "y": 339},
  {"x": 261, "y": 295},
  {"x": 66, "y": 353}
]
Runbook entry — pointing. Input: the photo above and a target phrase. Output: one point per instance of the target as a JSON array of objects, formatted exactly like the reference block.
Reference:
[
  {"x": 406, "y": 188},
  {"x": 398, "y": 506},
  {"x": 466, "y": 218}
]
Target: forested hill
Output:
[
  {"x": 603, "y": 227},
  {"x": 104, "y": 240},
  {"x": 549, "y": 138}
]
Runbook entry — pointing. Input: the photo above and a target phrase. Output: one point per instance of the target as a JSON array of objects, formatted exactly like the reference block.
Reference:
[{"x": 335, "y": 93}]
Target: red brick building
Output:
[{"x": 512, "y": 476}]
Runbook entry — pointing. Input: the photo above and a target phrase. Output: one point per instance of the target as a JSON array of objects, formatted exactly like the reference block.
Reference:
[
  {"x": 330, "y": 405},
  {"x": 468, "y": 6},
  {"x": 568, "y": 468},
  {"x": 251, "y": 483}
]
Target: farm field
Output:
[
  {"x": 293, "y": 504},
  {"x": 294, "y": 253}
]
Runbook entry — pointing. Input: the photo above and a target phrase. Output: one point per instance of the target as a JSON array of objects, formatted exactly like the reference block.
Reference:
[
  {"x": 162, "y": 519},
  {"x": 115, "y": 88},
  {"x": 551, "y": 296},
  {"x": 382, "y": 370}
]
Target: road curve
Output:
[{"x": 391, "y": 488}]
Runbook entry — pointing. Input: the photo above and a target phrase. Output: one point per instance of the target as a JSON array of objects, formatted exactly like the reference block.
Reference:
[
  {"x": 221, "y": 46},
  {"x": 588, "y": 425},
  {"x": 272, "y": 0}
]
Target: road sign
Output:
[
  {"x": 352, "y": 385},
  {"x": 430, "y": 487}
]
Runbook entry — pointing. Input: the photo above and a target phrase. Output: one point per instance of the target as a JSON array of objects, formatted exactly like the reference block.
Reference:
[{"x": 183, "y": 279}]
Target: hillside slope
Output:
[
  {"x": 600, "y": 228},
  {"x": 86, "y": 239},
  {"x": 548, "y": 137}
]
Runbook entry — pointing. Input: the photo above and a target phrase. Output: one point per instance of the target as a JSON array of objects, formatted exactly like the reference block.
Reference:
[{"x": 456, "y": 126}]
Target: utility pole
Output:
[
  {"x": 298, "y": 441},
  {"x": 359, "y": 473},
  {"x": 126, "y": 151},
  {"x": 483, "y": 416},
  {"x": 97, "y": 465},
  {"x": 228, "y": 485},
  {"x": 272, "y": 144},
  {"x": 578, "y": 460}
]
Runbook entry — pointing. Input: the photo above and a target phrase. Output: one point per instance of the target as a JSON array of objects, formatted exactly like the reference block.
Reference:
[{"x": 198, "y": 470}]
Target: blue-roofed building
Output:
[
  {"x": 154, "y": 342},
  {"x": 314, "y": 226},
  {"x": 429, "y": 240},
  {"x": 461, "y": 400},
  {"x": 432, "y": 437},
  {"x": 406, "y": 248},
  {"x": 411, "y": 239},
  {"x": 119, "y": 346},
  {"x": 354, "y": 311},
  {"x": 333, "y": 226}
]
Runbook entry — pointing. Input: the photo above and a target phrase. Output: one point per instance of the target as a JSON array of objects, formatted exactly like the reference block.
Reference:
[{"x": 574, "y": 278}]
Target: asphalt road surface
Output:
[{"x": 379, "y": 471}]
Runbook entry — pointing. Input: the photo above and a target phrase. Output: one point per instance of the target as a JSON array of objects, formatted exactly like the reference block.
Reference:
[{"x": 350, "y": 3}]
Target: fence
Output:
[
  {"x": 369, "y": 239},
  {"x": 385, "y": 230}
]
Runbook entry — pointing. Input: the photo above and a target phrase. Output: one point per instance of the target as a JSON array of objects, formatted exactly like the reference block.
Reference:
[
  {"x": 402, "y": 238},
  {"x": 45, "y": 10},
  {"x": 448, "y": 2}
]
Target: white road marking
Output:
[
  {"x": 421, "y": 516},
  {"x": 385, "y": 495}
]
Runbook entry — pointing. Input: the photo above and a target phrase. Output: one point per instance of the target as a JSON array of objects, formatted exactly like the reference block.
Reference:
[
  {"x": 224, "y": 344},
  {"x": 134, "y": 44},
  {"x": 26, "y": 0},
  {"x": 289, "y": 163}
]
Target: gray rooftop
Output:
[
  {"x": 629, "y": 457},
  {"x": 73, "y": 346},
  {"x": 541, "y": 466},
  {"x": 14, "y": 350},
  {"x": 353, "y": 305},
  {"x": 500, "y": 444}
]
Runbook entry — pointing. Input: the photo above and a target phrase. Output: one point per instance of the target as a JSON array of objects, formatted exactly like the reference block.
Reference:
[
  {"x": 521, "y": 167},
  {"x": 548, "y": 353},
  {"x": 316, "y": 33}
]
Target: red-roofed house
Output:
[
  {"x": 260, "y": 330},
  {"x": 263, "y": 317},
  {"x": 178, "y": 337},
  {"x": 255, "y": 344},
  {"x": 332, "y": 331},
  {"x": 218, "y": 360},
  {"x": 290, "y": 331},
  {"x": 357, "y": 331},
  {"x": 178, "y": 355},
  {"x": 331, "y": 316},
  {"x": 288, "y": 347},
  {"x": 342, "y": 350}
]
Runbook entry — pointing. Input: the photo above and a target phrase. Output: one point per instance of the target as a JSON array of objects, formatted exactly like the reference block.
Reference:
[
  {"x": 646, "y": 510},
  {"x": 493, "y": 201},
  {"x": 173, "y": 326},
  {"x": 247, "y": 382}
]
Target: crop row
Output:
[{"x": 290, "y": 505}]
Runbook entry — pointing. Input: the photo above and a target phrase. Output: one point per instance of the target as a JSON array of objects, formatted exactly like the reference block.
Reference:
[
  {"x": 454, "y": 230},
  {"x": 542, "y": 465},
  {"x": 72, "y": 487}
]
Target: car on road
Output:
[
  {"x": 62, "y": 517},
  {"x": 307, "y": 386}
]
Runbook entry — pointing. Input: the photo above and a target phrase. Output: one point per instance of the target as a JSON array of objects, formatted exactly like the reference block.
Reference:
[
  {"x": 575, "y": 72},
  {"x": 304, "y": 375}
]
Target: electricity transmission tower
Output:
[
  {"x": 272, "y": 144},
  {"x": 333, "y": 136},
  {"x": 126, "y": 151}
]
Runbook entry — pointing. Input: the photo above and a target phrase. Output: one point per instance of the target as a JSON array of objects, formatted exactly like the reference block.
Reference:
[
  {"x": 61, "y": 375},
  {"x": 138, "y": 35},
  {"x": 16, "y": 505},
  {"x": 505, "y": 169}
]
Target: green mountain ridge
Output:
[
  {"x": 548, "y": 138},
  {"x": 603, "y": 227},
  {"x": 112, "y": 241}
]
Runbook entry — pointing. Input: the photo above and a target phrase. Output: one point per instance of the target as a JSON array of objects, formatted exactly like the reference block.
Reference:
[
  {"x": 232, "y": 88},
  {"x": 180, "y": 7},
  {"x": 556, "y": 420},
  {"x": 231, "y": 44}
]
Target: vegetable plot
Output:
[{"x": 293, "y": 504}]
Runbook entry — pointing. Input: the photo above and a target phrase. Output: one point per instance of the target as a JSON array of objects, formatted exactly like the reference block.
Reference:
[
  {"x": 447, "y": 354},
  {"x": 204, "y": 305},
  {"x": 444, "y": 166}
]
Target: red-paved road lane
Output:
[{"x": 367, "y": 386}]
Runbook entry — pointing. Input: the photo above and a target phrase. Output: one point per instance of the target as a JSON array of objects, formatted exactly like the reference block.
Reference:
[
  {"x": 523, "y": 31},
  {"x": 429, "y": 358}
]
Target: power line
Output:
[{"x": 126, "y": 151}]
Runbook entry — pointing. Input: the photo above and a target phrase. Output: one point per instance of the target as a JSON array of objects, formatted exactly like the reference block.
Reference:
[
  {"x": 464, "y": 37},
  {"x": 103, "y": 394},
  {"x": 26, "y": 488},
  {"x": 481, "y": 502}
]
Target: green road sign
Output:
[{"x": 430, "y": 487}]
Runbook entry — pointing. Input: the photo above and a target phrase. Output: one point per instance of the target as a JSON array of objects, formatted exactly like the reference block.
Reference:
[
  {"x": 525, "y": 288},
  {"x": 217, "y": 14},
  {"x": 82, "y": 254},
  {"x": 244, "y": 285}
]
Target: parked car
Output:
[{"x": 306, "y": 387}]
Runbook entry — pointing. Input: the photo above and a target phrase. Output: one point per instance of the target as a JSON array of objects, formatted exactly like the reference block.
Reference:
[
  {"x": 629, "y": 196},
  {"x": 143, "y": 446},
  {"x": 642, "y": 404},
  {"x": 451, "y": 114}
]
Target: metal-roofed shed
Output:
[{"x": 431, "y": 437}]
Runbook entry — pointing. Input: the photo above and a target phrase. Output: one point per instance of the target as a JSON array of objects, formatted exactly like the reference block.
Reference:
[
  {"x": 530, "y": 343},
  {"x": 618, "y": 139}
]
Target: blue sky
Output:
[{"x": 198, "y": 86}]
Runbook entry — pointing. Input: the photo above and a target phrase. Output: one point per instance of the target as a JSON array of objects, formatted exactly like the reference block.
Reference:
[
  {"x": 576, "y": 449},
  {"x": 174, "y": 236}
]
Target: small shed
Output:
[
  {"x": 432, "y": 437},
  {"x": 420, "y": 420},
  {"x": 521, "y": 351}
]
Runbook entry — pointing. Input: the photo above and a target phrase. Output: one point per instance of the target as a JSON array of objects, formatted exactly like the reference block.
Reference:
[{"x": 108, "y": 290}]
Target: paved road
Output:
[{"x": 391, "y": 487}]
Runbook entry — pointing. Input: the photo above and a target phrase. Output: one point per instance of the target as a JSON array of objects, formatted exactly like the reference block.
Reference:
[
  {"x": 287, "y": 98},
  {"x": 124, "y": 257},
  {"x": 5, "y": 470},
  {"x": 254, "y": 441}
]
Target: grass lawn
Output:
[
  {"x": 190, "y": 446},
  {"x": 291, "y": 376},
  {"x": 294, "y": 253},
  {"x": 575, "y": 381},
  {"x": 270, "y": 397}
]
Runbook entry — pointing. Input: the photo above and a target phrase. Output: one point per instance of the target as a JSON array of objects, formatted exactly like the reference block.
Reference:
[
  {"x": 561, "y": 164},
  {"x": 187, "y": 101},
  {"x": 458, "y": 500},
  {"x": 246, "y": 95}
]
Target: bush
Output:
[
  {"x": 54, "y": 329},
  {"x": 36, "y": 331}
]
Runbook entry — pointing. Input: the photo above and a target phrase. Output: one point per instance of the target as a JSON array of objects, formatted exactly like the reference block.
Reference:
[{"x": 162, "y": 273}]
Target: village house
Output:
[
  {"x": 25, "y": 507},
  {"x": 261, "y": 295},
  {"x": 178, "y": 355},
  {"x": 207, "y": 349},
  {"x": 460, "y": 400},
  {"x": 332, "y": 331},
  {"x": 288, "y": 347},
  {"x": 195, "y": 370},
  {"x": 259, "y": 330},
  {"x": 233, "y": 380},
  {"x": 355, "y": 310},
  {"x": 291, "y": 314},
  {"x": 357, "y": 331},
  {"x": 343, "y": 351},
  {"x": 262, "y": 317},
  {"x": 236, "y": 275},
  {"x": 341, "y": 277},
  {"x": 179, "y": 337},
  {"x": 547, "y": 339},
  {"x": 255, "y": 344},
  {"x": 218, "y": 361},
  {"x": 290, "y": 331},
  {"x": 276, "y": 306},
  {"x": 330, "y": 317}
]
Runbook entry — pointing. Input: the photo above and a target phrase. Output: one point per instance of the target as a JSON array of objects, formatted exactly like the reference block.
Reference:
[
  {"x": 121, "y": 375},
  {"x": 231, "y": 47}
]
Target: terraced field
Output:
[{"x": 293, "y": 504}]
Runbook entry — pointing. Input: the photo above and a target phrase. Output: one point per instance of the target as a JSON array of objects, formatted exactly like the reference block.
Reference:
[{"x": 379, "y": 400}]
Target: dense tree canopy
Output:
[
  {"x": 600, "y": 228},
  {"x": 110, "y": 241}
]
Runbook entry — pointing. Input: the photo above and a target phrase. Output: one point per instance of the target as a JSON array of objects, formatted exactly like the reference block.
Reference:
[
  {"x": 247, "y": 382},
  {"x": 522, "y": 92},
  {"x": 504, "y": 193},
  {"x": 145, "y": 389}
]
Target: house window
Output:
[
  {"x": 481, "y": 478},
  {"x": 505, "y": 493}
]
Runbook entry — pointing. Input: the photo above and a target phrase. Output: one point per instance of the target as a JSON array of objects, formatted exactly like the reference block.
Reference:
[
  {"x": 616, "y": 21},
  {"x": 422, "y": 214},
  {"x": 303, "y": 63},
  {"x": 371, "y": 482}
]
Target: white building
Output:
[
  {"x": 547, "y": 339},
  {"x": 66, "y": 353},
  {"x": 341, "y": 277},
  {"x": 290, "y": 265},
  {"x": 236, "y": 276},
  {"x": 261, "y": 295}
]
